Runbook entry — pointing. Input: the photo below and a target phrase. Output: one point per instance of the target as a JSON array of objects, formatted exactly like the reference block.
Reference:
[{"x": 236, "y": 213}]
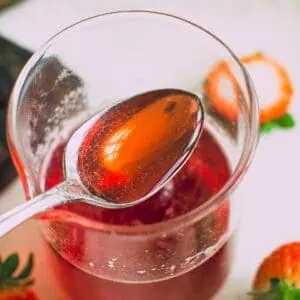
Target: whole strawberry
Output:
[
  {"x": 16, "y": 286},
  {"x": 278, "y": 277}
]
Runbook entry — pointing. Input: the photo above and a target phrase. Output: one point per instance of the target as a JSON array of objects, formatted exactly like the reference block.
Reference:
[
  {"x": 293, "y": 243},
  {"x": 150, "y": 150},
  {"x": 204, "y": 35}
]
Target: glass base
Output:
[{"x": 202, "y": 283}]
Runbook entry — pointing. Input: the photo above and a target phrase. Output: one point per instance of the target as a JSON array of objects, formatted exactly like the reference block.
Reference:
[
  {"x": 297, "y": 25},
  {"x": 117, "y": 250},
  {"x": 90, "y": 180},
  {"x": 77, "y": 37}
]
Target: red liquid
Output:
[{"x": 203, "y": 175}]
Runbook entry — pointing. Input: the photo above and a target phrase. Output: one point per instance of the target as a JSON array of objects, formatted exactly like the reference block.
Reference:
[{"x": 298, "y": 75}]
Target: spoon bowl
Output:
[{"x": 71, "y": 157}]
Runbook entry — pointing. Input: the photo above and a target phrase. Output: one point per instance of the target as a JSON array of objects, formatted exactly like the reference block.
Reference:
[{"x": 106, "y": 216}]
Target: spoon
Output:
[{"x": 123, "y": 155}]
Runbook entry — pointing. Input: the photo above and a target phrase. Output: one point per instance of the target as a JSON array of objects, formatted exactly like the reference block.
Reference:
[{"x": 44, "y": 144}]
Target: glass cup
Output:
[{"x": 137, "y": 254}]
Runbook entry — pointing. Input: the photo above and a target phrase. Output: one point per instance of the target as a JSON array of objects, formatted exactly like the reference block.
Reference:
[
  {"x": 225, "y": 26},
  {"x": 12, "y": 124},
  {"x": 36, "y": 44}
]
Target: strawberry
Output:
[
  {"x": 18, "y": 294},
  {"x": 278, "y": 277},
  {"x": 16, "y": 286}
]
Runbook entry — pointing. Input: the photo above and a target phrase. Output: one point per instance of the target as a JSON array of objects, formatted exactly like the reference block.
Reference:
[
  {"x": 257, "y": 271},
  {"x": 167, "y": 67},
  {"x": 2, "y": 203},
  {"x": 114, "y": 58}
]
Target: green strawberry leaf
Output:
[
  {"x": 9, "y": 283},
  {"x": 267, "y": 127},
  {"x": 27, "y": 269},
  {"x": 8, "y": 268},
  {"x": 10, "y": 265},
  {"x": 2, "y": 274},
  {"x": 286, "y": 121},
  {"x": 279, "y": 290},
  {"x": 28, "y": 283}
]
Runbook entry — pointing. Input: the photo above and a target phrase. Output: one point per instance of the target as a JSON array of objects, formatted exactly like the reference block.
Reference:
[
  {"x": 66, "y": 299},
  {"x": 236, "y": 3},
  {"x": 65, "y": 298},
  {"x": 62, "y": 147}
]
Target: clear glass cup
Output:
[{"x": 87, "y": 67}]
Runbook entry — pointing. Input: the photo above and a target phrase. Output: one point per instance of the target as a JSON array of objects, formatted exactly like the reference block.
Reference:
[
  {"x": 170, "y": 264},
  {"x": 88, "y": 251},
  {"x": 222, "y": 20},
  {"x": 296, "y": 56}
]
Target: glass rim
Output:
[{"x": 248, "y": 150}]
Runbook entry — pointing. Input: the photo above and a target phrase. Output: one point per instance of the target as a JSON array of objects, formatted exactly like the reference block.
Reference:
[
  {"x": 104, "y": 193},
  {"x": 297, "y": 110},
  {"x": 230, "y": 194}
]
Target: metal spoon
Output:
[{"x": 174, "y": 142}]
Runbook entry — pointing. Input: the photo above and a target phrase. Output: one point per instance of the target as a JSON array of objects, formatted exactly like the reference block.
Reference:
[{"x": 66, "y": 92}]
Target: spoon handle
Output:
[{"x": 16, "y": 216}]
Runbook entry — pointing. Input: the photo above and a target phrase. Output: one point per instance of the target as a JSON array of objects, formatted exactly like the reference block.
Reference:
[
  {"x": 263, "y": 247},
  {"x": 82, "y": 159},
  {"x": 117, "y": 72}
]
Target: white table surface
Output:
[{"x": 271, "y": 188}]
